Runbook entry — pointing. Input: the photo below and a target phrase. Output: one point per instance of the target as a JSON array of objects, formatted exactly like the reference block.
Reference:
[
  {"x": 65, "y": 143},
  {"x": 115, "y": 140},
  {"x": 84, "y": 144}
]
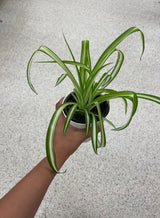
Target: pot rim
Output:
[{"x": 73, "y": 123}]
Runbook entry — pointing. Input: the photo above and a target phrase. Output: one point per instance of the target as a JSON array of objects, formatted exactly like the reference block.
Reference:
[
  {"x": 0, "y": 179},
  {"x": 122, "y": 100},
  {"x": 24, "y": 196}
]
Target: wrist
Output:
[
  {"x": 61, "y": 157},
  {"x": 46, "y": 166},
  {"x": 62, "y": 150}
]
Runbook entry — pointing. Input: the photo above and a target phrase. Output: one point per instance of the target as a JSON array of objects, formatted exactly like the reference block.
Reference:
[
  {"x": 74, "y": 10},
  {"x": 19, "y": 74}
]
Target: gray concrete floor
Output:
[{"x": 124, "y": 179}]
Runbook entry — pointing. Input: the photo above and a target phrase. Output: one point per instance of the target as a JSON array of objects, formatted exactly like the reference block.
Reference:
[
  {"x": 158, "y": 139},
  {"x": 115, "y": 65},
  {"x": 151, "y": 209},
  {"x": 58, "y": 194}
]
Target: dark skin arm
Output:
[{"x": 23, "y": 200}]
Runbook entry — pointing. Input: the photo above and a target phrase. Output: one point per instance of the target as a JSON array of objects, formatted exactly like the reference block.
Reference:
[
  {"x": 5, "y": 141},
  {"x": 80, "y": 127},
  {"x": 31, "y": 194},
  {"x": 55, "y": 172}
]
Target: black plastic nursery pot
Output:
[{"x": 79, "y": 117}]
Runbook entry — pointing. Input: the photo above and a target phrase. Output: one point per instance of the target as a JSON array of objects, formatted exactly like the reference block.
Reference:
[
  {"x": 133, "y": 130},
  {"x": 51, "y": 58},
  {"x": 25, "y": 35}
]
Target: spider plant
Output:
[{"x": 88, "y": 93}]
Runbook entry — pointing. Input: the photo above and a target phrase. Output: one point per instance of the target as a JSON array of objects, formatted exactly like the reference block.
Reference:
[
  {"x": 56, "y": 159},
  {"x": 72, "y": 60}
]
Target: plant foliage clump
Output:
[{"x": 88, "y": 92}]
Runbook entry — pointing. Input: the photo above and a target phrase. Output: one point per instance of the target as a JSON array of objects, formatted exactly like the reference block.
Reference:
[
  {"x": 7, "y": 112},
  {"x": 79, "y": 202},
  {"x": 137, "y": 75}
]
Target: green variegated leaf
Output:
[
  {"x": 84, "y": 60},
  {"x": 109, "y": 122},
  {"x": 104, "y": 84},
  {"x": 74, "y": 95},
  {"x": 101, "y": 83},
  {"x": 60, "y": 79},
  {"x": 103, "y": 136},
  {"x": 51, "y": 156},
  {"x": 134, "y": 108},
  {"x": 104, "y": 66},
  {"x": 94, "y": 133},
  {"x": 88, "y": 58},
  {"x": 113, "y": 74},
  {"x": 28, "y": 73},
  {"x": 126, "y": 104},
  {"x": 149, "y": 97},
  {"x": 123, "y": 94},
  {"x": 52, "y": 55},
  {"x": 87, "y": 120},
  {"x": 67, "y": 62},
  {"x": 115, "y": 43},
  {"x": 101, "y": 91},
  {"x": 106, "y": 54},
  {"x": 71, "y": 53},
  {"x": 117, "y": 66},
  {"x": 69, "y": 117}
]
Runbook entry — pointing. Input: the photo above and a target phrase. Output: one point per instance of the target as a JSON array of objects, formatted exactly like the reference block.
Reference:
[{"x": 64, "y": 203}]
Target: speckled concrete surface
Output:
[{"x": 124, "y": 179}]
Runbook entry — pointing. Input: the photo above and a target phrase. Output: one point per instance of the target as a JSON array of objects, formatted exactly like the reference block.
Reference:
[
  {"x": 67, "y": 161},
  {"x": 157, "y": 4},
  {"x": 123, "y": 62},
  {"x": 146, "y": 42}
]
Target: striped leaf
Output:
[
  {"x": 114, "y": 72},
  {"x": 52, "y": 55},
  {"x": 71, "y": 52},
  {"x": 103, "y": 136},
  {"x": 123, "y": 94},
  {"x": 60, "y": 79},
  {"x": 28, "y": 73},
  {"x": 149, "y": 97},
  {"x": 109, "y": 50},
  {"x": 103, "y": 86},
  {"x": 115, "y": 43},
  {"x": 126, "y": 104},
  {"x": 69, "y": 117},
  {"x": 87, "y": 120},
  {"x": 134, "y": 108},
  {"x": 84, "y": 60},
  {"x": 88, "y": 58},
  {"x": 51, "y": 156},
  {"x": 94, "y": 133},
  {"x": 104, "y": 66},
  {"x": 109, "y": 91},
  {"x": 101, "y": 83},
  {"x": 117, "y": 66},
  {"x": 66, "y": 62},
  {"x": 109, "y": 122}
]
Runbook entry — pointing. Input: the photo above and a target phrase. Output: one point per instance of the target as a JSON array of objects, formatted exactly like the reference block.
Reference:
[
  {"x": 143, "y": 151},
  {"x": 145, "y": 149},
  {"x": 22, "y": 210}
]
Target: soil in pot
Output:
[{"x": 79, "y": 117}]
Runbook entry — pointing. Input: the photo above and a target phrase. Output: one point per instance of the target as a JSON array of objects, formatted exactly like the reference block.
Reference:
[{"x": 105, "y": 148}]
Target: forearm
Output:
[{"x": 24, "y": 199}]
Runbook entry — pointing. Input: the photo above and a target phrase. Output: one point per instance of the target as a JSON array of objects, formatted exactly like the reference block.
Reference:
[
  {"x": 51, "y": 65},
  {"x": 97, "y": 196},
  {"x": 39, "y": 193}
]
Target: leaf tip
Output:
[{"x": 141, "y": 55}]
